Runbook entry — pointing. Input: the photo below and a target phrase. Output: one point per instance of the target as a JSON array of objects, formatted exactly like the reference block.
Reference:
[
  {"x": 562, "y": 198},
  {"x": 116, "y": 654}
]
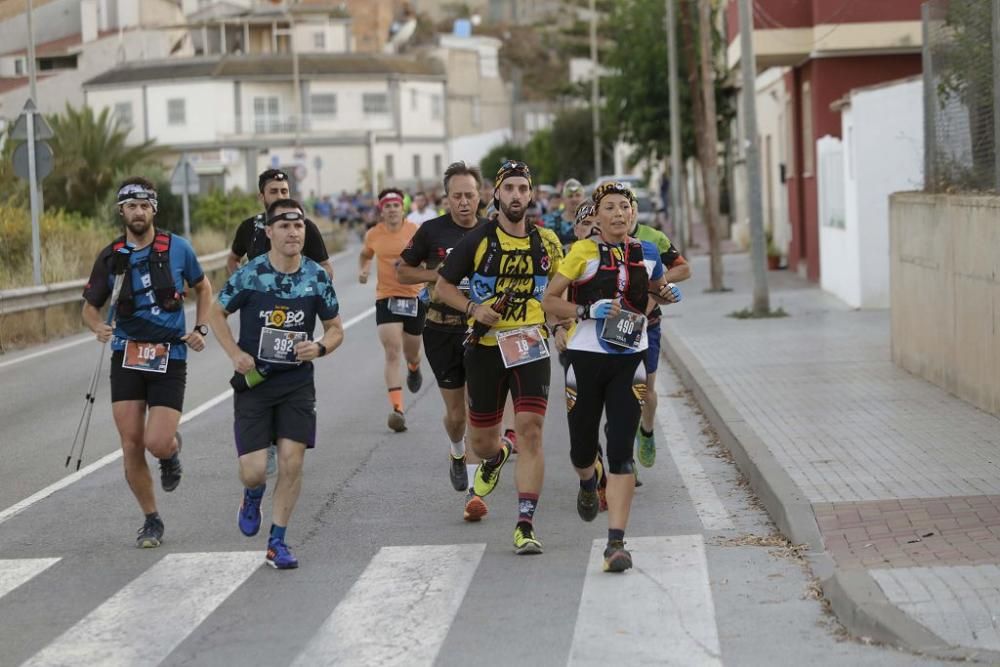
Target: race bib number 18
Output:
[
  {"x": 278, "y": 346},
  {"x": 521, "y": 346},
  {"x": 148, "y": 357}
]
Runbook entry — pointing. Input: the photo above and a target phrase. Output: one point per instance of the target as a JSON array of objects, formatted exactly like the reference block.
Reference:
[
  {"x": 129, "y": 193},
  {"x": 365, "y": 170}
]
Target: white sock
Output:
[
  {"x": 458, "y": 448},
  {"x": 470, "y": 468}
]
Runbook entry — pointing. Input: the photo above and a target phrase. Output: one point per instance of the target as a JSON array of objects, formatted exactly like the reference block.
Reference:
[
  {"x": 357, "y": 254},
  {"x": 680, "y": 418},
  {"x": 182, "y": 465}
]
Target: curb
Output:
[{"x": 855, "y": 597}]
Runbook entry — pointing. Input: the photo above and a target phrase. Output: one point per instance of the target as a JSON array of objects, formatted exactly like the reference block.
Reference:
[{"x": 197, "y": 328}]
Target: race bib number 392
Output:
[
  {"x": 278, "y": 346},
  {"x": 148, "y": 357}
]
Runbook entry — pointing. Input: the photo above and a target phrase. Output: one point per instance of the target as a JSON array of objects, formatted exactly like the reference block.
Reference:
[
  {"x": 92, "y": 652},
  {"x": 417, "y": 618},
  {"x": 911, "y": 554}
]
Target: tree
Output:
[{"x": 91, "y": 155}]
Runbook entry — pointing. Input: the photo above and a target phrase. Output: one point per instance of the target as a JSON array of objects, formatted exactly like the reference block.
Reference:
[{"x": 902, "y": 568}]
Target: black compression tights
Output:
[{"x": 598, "y": 383}]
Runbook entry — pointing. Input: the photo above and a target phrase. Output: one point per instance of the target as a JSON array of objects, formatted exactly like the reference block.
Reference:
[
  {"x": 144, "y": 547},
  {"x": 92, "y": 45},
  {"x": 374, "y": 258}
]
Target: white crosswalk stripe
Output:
[
  {"x": 661, "y": 612},
  {"x": 400, "y": 609},
  {"x": 16, "y": 571},
  {"x": 146, "y": 620}
]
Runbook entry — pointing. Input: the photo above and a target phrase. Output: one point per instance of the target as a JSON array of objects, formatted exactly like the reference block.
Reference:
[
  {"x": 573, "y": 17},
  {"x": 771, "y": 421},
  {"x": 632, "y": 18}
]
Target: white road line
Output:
[
  {"x": 659, "y": 613},
  {"x": 16, "y": 571},
  {"x": 711, "y": 511},
  {"x": 143, "y": 622},
  {"x": 90, "y": 337},
  {"x": 399, "y": 611},
  {"x": 22, "y": 505}
]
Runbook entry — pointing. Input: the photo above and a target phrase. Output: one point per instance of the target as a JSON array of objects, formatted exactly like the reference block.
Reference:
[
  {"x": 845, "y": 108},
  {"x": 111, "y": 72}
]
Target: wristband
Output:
[
  {"x": 322, "y": 348},
  {"x": 557, "y": 326},
  {"x": 471, "y": 306}
]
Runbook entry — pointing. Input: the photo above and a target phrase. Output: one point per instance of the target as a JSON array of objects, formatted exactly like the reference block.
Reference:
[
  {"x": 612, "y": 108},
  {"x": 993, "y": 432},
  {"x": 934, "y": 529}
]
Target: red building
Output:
[{"x": 830, "y": 47}]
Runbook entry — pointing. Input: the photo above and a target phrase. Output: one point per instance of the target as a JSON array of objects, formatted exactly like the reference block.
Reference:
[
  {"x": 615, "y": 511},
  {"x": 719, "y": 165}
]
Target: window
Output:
[
  {"x": 390, "y": 168},
  {"x": 374, "y": 103},
  {"x": 176, "y": 112},
  {"x": 123, "y": 114},
  {"x": 477, "y": 113},
  {"x": 413, "y": 99},
  {"x": 324, "y": 104},
  {"x": 436, "y": 107},
  {"x": 808, "y": 144},
  {"x": 19, "y": 67},
  {"x": 416, "y": 166},
  {"x": 438, "y": 168},
  {"x": 319, "y": 41},
  {"x": 266, "y": 114}
]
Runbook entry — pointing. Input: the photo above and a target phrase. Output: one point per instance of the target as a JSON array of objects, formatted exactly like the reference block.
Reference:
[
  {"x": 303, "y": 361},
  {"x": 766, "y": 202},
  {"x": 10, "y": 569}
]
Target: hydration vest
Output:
[
  {"x": 161, "y": 279},
  {"x": 610, "y": 282},
  {"x": 491, "y": 266}
]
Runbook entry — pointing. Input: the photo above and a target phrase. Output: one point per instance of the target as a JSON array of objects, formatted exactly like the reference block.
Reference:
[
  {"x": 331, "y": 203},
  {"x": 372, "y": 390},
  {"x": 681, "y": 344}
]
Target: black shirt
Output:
[
  {"x": 251, "y": 240},
  {"x": 430, "y": 246}
]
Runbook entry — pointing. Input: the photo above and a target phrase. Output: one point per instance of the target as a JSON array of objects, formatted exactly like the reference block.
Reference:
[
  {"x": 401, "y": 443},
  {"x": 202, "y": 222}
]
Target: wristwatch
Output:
[
  {"x": 582, "y": 312},
  {"x": 202, "y": 329},
  {"x": 322, "y": 348}
]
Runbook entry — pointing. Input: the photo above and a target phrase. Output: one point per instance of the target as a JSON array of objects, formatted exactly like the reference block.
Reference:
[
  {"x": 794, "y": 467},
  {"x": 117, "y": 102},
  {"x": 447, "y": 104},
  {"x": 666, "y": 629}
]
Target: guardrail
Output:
[{"x": 21, "y": 299}]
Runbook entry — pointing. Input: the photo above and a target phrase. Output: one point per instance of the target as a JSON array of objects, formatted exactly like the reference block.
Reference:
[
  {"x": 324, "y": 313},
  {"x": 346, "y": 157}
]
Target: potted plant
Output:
[{"x": 773, "y": 253}]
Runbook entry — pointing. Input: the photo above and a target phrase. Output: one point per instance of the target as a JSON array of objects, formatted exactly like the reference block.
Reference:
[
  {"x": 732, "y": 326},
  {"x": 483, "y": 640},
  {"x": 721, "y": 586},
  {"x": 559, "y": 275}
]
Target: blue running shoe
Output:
[
  {"x": 248, "y": 517},
  {"x": 279, "y": 556}
]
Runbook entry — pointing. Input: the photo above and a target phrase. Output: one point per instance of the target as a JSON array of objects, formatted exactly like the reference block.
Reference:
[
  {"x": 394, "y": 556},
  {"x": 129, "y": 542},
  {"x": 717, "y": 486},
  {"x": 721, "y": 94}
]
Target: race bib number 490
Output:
[
  {"x": 148, "y": 357},
  {"x": 522, "y": 346},
  {"x": 278, "y": 346},
  {"x": 624, "y": 329}
]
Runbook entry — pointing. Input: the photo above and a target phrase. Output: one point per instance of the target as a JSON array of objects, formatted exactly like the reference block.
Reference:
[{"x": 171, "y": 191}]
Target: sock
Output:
[
  {"x": 527, "y": 503},
  {"x": 589, "y": 484},
  {"x": 396, "y": 398},
  {"x": 458, "y": 448},
  {"x": 413, "y": 368},
  {"x": 256, "y": 492},
  {"x": 152, "y": 515},
  {"x": 648, "y": 434},
  {"x": 470, "y": 470},
  {"x": 616, "y": 535},
  {"x": 277, "y": 532}
]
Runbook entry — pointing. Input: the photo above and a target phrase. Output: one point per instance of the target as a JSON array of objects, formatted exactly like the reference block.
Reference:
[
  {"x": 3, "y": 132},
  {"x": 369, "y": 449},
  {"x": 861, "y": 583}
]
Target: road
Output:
[{"x": 390, "y": 574}]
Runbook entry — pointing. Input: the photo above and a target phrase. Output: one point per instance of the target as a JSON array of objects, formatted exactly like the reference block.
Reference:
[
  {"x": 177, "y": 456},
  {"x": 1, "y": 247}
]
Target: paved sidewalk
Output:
[{"x": 894, "y": 483}]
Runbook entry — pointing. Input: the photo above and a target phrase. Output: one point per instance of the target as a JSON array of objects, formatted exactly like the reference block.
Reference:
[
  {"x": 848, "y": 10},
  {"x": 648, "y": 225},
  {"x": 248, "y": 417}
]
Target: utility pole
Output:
[
  {"x": 594, "y": 83},
  {"x": 748, "y": 71},
  {"x": 34, "y": 191},
  {"x": 710, "y": 161},
  {"x": 676, "y": 206},
  {"x": 31, "y": 54}
]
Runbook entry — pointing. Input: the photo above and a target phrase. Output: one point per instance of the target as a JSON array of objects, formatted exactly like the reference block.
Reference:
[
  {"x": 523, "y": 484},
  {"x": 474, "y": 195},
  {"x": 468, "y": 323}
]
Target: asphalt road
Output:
[{"x": 390, "y": 574}]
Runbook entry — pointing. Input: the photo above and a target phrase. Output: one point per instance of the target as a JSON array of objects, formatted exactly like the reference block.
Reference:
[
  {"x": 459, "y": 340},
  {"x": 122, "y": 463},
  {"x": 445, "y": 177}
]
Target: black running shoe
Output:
[
  {"x": 459, "y": 473},
  {"x": 616, "y": 557},
  {"x": 151, "y": 534},
  {"x": 170, "y": 469},
  {"x": 414, "y": 380},
  {"x": 587, "y": 504}
]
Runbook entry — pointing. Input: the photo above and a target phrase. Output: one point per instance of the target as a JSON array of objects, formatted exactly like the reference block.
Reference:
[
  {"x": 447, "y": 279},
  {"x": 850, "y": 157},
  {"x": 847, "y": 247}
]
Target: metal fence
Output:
[{"x": 961, "y": 65}]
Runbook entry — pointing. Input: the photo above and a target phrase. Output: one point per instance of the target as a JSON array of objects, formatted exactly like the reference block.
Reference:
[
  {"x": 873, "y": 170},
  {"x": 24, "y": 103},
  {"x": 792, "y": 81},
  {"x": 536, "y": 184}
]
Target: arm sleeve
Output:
[
  {"x": 328, "y": 306},
  {"x": 241, "y": 241},
  {"x": 97, "y": 290},
  {"x": 416, "y": 250},
  {"x": 314, "y": 247},
  {"x": 459, "y": 262}
]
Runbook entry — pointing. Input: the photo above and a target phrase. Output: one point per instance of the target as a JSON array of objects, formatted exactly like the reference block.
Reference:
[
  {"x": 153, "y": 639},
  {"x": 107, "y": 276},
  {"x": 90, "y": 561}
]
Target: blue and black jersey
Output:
[
  {"x": 149, "y": 323},
  {"x": 289, "y": 302}
]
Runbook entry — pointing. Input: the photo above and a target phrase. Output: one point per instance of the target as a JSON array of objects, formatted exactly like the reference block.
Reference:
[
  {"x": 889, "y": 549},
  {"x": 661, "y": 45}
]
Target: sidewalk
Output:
[{"x": 894, "y": 483}]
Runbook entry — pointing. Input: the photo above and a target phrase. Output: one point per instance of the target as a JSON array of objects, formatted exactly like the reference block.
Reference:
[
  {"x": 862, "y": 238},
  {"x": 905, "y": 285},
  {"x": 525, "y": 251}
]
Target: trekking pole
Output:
[{"x": 120, "y": 269}]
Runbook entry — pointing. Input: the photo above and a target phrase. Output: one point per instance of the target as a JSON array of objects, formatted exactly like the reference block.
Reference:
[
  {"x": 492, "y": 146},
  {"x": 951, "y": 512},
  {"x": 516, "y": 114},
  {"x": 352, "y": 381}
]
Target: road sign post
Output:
[
  {"x": 184, "y": 182},
  {"x": 33, "y": 162}
]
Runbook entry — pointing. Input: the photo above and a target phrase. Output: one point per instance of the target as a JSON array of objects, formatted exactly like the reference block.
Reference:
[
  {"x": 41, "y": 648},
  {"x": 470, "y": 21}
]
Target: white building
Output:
[{"x": 237, "y": 115}]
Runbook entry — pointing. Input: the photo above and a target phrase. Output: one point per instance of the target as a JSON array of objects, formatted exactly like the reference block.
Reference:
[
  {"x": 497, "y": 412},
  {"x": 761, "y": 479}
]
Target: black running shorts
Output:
[
  {"x": 411, "y": 325},
  {"x": 163, "y": 389},
  {"x": 488, "y": 383},
  {"x": 444, "y": 352},
  {"x": 274, "y": 409}
]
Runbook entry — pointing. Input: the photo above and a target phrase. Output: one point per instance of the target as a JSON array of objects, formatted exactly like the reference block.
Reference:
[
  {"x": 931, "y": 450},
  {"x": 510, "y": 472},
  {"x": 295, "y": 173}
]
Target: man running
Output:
[
  {"x": 251, "y": 238},
  {"x": 562, "y": 220},
  {"x": 508, "y": 264},
  {"x": 422, "y": 210},
  {"x": 399, "y": 313},
  {"x": 279, "y": 295},
  {"x": 148, "y": 342}
]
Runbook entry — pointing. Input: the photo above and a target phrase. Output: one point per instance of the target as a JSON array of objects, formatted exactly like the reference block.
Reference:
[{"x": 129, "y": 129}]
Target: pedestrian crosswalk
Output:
[{"x": 398, "y": 611}]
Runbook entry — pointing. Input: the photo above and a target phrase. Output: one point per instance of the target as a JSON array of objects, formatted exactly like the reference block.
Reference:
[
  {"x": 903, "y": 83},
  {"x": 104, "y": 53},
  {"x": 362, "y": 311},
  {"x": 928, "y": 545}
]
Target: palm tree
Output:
[{"x": 90, "y": 155}]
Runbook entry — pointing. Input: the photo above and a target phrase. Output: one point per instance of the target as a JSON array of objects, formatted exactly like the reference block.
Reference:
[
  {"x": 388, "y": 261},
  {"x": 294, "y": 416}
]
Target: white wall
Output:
[
  {"x": 208, "y": 110},
  {"x": 351, "y": 117},
  {"x": 473, "y": 147},
  {"x": 838, "y": 242},
  {"x": 418, "y": 102},
  {"x": 54, "y": 20},
  {"x": 107, "y": 98},
  {"x": 883, "y": 153}
]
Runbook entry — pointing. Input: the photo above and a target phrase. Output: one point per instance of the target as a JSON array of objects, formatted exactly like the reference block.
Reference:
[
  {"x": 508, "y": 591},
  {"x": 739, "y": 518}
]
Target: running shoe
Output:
[
  {"x": 248, "y": 516},
  {"x": 170, "y": 469},
  {"x": 638, "y": 482},
  {"x": 414, "y": 380},
  {"x": 647, "y": 449},
  {"x": 475, "y": 508},
  {"x": 587, "y": 504},
  {"x": 459, "y": 473},
  {"x": 488, "y": 474},
  {"x": 279, "y": 556},
  {"x": 525, "y": 542},
  {"x": 272, "y": 460},
  {"x": 509, "y": 437},
  {"x": 397, "y": 421},
  {"x": 151, "y": 534},
  {"x": 616, "y": 557}
]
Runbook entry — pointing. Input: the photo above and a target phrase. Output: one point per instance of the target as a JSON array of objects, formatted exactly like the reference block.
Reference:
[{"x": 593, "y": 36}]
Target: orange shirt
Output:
[{"x": 387, "y": 246}]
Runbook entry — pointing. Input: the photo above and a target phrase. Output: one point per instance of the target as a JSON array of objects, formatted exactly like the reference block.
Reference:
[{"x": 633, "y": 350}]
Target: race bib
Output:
[
  {"x": 148, "y": 357},
  {"x": 624, "y": 329},
  {"x": 522, "y": 346},
  {"x": 404, "y": 307},
  {"x": 463, "y": 286},
  {"x": 278, "y": 346}
]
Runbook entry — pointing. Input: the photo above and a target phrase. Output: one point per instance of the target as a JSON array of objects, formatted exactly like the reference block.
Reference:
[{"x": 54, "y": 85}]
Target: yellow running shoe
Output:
[
  {"x": 488, "y": 474},
  {"x": 525, "y": 542}
]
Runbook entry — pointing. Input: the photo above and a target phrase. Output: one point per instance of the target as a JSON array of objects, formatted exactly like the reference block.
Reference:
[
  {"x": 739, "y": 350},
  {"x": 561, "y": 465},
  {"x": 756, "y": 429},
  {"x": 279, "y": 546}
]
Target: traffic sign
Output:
[
  {"x": 20, "y": 130},
  {"x": 184, "y": 179},
  {"x": 44, "y": 161}
]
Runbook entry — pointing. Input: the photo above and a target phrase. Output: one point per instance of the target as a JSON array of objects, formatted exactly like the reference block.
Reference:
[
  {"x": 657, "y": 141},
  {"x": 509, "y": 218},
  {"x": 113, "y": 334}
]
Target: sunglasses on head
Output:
[{"x": 287, "y": 215}]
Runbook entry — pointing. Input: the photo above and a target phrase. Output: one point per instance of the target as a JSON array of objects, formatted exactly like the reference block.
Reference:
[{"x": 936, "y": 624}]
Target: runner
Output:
[
  {"x": 562, "y": 220},
  {"x": 508, "y": 264},
  {"x": 148, "y": 343},
  {"x": 422, "y": 210},
  {"x": 399, "y": 314},
  {"x": 677, "y": 270},
  {"x": 279, "y": 295}
]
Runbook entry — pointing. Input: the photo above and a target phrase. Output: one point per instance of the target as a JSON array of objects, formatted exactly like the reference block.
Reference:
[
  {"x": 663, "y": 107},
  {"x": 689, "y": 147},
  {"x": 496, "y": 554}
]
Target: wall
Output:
[
  {"x": 840, "y": 252},
  {"x": 208, "y": 106},
  {"x": 945, "y": 276},
  {"x": 51, "y": 21}
]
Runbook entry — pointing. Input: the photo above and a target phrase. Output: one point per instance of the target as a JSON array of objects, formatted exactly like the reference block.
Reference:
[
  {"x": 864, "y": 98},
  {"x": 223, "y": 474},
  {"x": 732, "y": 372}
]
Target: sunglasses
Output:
[{"x": 287, "y": 215}]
